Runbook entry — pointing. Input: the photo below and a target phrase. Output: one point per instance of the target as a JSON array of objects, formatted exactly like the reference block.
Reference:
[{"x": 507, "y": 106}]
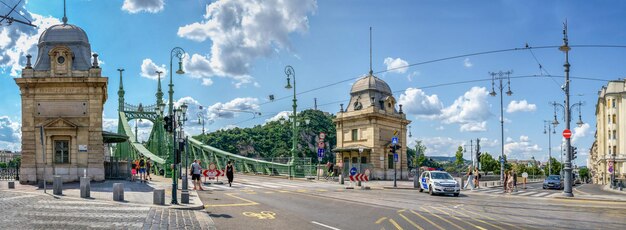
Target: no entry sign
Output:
[{"x": 567, "y": 133}]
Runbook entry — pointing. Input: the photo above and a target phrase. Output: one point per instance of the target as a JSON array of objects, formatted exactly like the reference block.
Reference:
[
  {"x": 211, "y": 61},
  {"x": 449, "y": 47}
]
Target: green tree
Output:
[
  {"x": 555, "y": 167},
  {"x": 459, "y": 157},
  {"x": 3, "y": 164},
  {"x": 15, "y": 162},
  {"x": 488, "y": 164},
  {"x": 419, "y": 159},
  {"x": 410, "y": 156},
  {"x": 583, "y": 173}
]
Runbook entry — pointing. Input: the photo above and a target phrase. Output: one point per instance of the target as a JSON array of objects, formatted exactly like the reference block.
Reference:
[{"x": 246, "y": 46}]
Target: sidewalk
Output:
[{"x": 134, "y": 192}]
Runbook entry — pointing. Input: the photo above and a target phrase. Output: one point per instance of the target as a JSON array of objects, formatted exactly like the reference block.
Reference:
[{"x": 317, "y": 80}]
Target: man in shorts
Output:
[
  {"x": 142, "y": 169},
  {"x": 196, "y": 170}
]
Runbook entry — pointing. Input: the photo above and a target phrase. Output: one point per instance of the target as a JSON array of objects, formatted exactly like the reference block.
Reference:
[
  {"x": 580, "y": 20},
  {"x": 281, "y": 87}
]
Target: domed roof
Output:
[
  {"x": 67, "y": 35},
  {"x": 370, "y": 82},
  {"x": 64, "y": 33}
]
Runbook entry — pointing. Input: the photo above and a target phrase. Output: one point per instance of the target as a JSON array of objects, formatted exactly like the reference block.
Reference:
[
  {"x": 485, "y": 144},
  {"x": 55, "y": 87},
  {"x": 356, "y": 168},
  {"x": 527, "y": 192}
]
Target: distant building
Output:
[
  {"x": 609, "y": 146},
  {"x": 6, "y": 156},
  {"x": 366, "y": 127}
]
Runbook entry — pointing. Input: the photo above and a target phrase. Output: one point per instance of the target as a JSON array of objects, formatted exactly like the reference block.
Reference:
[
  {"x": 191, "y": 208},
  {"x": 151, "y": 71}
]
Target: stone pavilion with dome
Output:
[
  {"x": 63, "y": 96},
  {"x": 365, "y": 129}
]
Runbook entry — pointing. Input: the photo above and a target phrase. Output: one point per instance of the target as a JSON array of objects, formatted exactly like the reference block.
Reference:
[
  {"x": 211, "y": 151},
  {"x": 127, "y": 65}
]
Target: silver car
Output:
[{"x": 439, "y": 182}]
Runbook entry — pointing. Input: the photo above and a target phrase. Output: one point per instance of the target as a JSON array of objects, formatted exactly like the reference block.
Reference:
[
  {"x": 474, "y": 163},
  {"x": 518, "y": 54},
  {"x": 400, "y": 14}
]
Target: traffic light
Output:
[
  {"x": 167, "y": 124},
  {"x": 391, "y": 149},
  {"x": 574, "y": 152}
]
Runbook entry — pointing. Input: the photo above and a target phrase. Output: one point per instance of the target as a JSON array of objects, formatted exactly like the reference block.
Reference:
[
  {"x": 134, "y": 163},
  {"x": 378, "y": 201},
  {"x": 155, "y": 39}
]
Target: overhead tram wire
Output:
[{"x": 449, "y": 58}]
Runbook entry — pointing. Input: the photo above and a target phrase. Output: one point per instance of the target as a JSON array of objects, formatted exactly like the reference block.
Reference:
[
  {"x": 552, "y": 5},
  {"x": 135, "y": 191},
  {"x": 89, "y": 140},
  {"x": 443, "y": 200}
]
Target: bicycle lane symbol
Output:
[{"x": 263, "y": 215}]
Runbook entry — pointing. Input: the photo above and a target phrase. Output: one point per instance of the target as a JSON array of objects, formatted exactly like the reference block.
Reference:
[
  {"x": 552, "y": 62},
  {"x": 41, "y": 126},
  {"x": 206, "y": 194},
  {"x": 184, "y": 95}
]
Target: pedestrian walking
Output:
[
  {"x": 230, "y": 171},
  {"x": 476, "y": 178},
  {"x": 196, "y": 170},
  {"x": 514, "y": 181},
  {"x": 509, "y": 181},
  {"x": 133, "y": 170},
  {"x": 504, "y": 181},
  {"x": 148, "y": 168},
  {"x": 470, "y": 178},
  {"x": 142, "y": 170}
]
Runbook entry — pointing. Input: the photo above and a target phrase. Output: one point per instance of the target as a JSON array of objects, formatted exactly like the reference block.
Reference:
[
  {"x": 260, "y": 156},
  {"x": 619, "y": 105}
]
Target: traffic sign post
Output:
[
  {"x": 353, "y": 171},
  {"x": 394, "y": 140},
  {"x": 320, "y": 155},
  {"x": 395, "y": 157},
  {"x": 567, "y": 133}
]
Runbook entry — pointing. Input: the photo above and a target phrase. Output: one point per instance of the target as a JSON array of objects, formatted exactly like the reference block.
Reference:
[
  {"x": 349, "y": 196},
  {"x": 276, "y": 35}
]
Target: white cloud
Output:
[
  {"x": 396, "y": 65},
  {"x": 149, "y": 68},
  {"x": 469, "y": 110},
  {"x": 520, "y": 106},
  {"x": 474, "y": 127},
  {"x": 580, "y": 132},
  {"x": 10, "y": 134},
  {"x": 284, "y": 115},
  {"x": 244, "y": 30},
  {"x": 109, "y": 124},
  {"x": 246, "y": 105},
  {"x": 207, "y": 81},
  {"x": 17, "y": 40},
  {"x": 412, "y": 75},
  {"x": 416, "y": 102},
  {"x": 136, "y": 6},
  {"x": 440, "y": 146},
  {"x": 522, "y": 149},
  {"x": 467, "y": 63}
]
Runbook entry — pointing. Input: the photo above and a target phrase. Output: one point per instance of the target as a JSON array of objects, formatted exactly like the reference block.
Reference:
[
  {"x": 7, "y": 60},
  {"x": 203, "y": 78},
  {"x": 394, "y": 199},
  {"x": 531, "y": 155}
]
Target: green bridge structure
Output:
[{"x": 159, "y": 147}]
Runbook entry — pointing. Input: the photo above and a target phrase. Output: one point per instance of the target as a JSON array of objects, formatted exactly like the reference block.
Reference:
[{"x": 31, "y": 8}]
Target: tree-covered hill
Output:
[{"x": 273, "y": 139}]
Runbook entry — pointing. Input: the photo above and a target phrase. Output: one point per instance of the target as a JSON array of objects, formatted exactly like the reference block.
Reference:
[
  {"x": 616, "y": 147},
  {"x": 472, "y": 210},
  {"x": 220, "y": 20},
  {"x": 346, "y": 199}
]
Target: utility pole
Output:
[
  {"x": 500, "y": 76},
  {"x": 567, "y": 191},
  {"x": 315, "y": 103}
]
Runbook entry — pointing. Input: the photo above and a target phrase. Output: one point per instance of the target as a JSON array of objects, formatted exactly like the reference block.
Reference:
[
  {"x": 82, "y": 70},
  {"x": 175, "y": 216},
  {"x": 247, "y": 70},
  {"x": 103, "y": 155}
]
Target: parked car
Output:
[
  {"x": 553, "y": 181},
  {"x": 439, "y": 182}
]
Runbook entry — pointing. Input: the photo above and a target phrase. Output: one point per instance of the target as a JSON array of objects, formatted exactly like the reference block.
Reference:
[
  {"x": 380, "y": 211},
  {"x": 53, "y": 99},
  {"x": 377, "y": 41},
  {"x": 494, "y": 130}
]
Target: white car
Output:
[{"x": 439, "y": 182}]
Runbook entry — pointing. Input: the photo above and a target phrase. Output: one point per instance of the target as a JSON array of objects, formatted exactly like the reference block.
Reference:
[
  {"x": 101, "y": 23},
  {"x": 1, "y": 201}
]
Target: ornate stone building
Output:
[
  {"x": 63, "y": 96},
  {"x": 609, "y": 146},
  {"x": 366, "y": 127}
]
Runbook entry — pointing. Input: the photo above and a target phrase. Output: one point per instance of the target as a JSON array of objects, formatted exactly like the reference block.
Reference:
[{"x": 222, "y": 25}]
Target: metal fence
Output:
[{"x": 9, "y": 174}]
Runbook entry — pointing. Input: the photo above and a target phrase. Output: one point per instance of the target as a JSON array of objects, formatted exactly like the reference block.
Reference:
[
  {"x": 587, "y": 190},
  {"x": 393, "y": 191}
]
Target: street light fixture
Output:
[
  {"x": 179, "y": 53},
  {"x": 501, "y": 76},
  {"x": 549, "y": 132},
  {"x": 290, "y": 72}
]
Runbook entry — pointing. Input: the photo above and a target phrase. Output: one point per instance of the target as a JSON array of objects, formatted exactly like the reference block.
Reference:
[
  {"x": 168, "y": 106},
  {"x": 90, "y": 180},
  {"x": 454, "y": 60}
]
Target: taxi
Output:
[{"x": 439, "y": 182}]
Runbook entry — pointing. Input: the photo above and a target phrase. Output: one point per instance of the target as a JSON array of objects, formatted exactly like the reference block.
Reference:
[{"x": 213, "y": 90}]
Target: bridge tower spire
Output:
[
  {"x": 120, "y": 93},
  {"x": 159, "y": 93}
]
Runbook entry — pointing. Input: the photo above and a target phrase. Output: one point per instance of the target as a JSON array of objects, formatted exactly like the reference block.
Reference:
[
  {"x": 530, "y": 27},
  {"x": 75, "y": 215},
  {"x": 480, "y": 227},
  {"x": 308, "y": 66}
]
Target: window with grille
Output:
[{"x": 62, "y": 151}]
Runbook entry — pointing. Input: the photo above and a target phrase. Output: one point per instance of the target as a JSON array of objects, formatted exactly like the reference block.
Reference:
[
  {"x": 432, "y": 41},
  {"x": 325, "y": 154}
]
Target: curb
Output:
[
  {"x": 403, "y": 188},
  {"x": 588, "y": 199}
]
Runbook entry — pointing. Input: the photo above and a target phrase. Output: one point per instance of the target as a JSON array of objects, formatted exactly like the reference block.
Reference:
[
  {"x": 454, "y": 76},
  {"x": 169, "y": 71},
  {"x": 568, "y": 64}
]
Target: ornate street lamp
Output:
[
  {"x": 179, "y": 53},
  {"x": 290, "y": 72},
  {"x": 500, "y": 76}
]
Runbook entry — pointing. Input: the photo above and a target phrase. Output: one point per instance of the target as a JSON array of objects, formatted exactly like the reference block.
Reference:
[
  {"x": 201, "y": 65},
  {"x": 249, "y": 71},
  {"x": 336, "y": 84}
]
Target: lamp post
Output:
[
  {"x": 201, "y": 119},
  {"x": 182, "y": 111},
  {"x": 158, "y": 124},
  {"x": 613, "y": 172},
  {"x": 179, "y": 53},
  {"x": 500, "y": 76},
  {"x": 567, "y": 111},
  {"x": 550, "y": 131},
  {"x": 290, "y": 72}
]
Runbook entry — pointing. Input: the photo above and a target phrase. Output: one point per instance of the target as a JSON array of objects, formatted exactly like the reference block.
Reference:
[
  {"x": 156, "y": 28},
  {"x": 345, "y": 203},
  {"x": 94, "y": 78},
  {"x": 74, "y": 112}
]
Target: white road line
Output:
[
  {"x": 252, "y": 186},
  {"x": 518, "y": 192},
  {"x": 323, "y": 225},
  {"x": 492, "y": 190},
  {"x": 265, "y": 184},
  {"x": 286, "y": 185},
  {"x": 541, "y": 194},
  {"x": 526, "y": 193},
  {"x": 17, "y": 197}
]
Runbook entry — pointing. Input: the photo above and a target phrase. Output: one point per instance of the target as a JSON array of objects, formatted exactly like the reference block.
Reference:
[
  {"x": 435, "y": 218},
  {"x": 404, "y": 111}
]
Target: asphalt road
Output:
[{"x": 271, "y": 203}]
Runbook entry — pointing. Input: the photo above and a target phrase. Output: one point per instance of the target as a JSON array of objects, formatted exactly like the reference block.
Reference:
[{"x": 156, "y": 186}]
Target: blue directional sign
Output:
[
  {"x": 394, "y": 140},
  {"x": 353, "y": 171},
  {"x": 320, "y": 153},
  {"x": 501, "y": 160},
  {"x": 395, "y": 157}
]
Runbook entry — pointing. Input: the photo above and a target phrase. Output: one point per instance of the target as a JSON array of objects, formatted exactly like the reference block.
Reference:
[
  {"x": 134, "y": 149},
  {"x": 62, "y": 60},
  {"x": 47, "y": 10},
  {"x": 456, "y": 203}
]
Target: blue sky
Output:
[{"x": 237, "y": 51}]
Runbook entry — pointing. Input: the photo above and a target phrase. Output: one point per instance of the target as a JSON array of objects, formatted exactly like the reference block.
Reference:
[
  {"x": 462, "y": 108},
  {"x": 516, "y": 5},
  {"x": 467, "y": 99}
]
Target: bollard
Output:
[
  {"x": 57, "y": 185},
  {"x": 158, "y": 196},
  {"x": 341, "y": 179},
  {"x": 416, "y": 183},
  {"x": 184, "y": 197},
  {"x": 118, "y": 192},
  {"x": 11, "y": 184},
  {"x": 85, "y": 187}
]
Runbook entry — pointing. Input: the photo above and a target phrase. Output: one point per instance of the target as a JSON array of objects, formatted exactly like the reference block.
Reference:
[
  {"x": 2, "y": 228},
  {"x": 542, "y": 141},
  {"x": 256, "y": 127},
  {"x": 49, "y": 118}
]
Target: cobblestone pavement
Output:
[{"x": 41, "y": 211}]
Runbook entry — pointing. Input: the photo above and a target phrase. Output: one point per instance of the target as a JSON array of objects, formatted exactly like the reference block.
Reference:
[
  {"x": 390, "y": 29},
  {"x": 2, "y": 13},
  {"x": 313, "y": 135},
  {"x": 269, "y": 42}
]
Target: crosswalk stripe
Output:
[
  {"x": 252, "y": 186},
  {"x": 541, "y": 194},
  {"x": 526, "y": 193}
]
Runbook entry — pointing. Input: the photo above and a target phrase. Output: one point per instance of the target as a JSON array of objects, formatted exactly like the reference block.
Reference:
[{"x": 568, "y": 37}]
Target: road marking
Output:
[
  {"x": 263, "y": 215},
  {"x": 232, "y": 205},
  {"x": 323, "y": 225},
  {"x": 322, "y": 190},
  {"x": 426, "y": 219},
  {"x": 410, "y": 222},
  {"x": 485, "y": 216},
  {"x": 484, "y": 222},
  {"x": 381, "y": 220},
  {"x": 435, "y": 215},
  {"x": 269, "y": 192},
  {"x": 541, "y": 194},
  {"x": 395, "y": 224},
  {"x": 17, "y": 197},
  {"x": 301, "y": 190},
  {"x": 253, "y": 186},
  {"x": 526, "y": 193},
  {"x": 459, "y": 219}
]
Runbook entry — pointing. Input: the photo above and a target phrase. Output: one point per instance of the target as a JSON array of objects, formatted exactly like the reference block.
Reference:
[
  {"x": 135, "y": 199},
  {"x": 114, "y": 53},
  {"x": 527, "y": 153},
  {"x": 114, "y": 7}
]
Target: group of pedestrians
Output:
[
  {"x": 473, "y": 178},
  {"x": 141, "y": 167},
  {"x": 510, "y": 181},
  {"x": 196, "y": 171}
]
